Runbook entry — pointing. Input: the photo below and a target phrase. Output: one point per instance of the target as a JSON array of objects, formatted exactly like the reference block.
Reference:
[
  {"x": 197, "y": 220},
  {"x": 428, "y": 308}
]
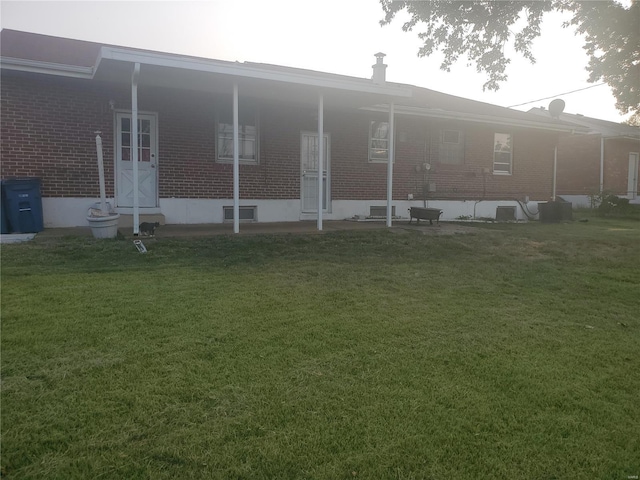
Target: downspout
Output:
[
  {"x": 390, "y": 164},
  {"x": 601, "y": 165},
  {"x": 320, "y": 156},
  {"x": 236, "y": 162},
  {"x": 134, "y": 148}
]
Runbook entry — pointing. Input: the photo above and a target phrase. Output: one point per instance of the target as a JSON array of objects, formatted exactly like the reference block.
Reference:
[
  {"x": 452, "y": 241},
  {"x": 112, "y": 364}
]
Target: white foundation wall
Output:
[{"x": 72, "y": 212}]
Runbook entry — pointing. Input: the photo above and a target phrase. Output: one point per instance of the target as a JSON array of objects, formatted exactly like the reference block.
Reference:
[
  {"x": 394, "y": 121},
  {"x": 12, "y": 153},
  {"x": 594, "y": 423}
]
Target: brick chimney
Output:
[{"x": 379, "y": 69}]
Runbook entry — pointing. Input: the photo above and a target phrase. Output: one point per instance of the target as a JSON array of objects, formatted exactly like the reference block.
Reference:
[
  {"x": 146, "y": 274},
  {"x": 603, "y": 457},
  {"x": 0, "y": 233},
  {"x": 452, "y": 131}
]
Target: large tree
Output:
[{"x": 482, "y": 29}]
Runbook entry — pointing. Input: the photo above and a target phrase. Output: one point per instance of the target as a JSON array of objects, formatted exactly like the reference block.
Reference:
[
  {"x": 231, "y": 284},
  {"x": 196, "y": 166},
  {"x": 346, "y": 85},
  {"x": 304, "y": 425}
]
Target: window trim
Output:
[
  {"x": 255, "y": 125},
  {"x": 448, "y": 147},
  {"x": 502, "y": 172},
  {"x": 370, "y": 141}
]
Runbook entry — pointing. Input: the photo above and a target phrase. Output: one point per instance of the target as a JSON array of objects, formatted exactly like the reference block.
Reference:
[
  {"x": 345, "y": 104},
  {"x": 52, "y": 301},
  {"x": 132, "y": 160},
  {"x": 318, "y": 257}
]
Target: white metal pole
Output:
[
  {"x": 555, "y": 171},
  {"x": 103, "y": 194},
  {"x": 134, "y": 148},
  {"x": 236, "y": 162},
  {"x": 320, "y": 157},
  {"x": 390, "y": 164},
  {"x": 601, "y": 164}
]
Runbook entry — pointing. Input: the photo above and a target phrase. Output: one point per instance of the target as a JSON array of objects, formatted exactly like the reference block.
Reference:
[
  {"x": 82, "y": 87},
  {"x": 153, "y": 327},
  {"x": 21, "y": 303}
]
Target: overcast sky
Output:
[{"x": 337, "y": 36}]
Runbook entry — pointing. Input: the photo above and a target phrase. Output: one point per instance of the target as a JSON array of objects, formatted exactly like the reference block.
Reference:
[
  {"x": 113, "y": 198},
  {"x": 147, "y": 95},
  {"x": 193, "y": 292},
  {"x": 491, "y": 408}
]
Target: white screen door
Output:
[
  {"x": 309, "y": 169},
  {"x": 632, "y": 188},
  {"x": 147, "y": 161}
]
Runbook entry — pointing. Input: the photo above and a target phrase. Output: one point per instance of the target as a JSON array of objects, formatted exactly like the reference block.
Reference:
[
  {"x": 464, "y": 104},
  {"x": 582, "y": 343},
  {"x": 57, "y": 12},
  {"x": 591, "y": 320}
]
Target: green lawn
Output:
[{"x": 509, "y": 353}]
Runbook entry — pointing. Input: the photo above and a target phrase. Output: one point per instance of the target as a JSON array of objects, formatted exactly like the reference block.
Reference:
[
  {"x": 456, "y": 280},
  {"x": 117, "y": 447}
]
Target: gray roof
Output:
[{"x": 596, "y": 126}]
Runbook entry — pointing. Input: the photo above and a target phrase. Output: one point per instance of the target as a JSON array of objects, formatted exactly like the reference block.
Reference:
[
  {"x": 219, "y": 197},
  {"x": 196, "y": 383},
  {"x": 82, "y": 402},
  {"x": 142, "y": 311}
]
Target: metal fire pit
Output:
[{"x": 421, "y": 213}]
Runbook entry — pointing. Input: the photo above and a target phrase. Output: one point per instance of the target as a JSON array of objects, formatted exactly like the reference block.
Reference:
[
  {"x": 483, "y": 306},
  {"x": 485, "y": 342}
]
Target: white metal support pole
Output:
[
  {"x": 555, "y": 172},
  {"x": 601, "y": 164},
  {"x": 134, "y": 147},
  {"x": 320, "y": 157},
  {"x": 390, "y": 164},
  {"x": 236, "y": 162}
]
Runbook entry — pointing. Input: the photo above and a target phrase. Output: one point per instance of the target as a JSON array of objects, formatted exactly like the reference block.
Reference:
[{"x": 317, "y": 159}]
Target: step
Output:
[{"x": 126, "y": 221}]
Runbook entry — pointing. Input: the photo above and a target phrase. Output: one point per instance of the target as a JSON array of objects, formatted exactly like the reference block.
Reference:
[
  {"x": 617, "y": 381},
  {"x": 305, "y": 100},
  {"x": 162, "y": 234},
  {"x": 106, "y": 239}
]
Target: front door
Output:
[
  {"x": 632, "y": 189},
  {"x": 309, "y": 169},
  {"x": 147, "y": 161}
]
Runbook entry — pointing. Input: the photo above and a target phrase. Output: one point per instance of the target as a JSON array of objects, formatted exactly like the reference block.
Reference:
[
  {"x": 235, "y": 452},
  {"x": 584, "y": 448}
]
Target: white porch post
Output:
[
  {"x": 134, "y": 148},
  {"x": 390, "y": 164},
  {"x": 601, "y": 164},
  {"x": 320, "y": 157},
  {"x": 555, "y": 171},
  {"x": 236, "y": 163}
]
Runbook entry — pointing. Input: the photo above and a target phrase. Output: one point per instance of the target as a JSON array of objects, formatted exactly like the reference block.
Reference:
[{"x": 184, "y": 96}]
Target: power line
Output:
[{"x": 554, "y": 96}]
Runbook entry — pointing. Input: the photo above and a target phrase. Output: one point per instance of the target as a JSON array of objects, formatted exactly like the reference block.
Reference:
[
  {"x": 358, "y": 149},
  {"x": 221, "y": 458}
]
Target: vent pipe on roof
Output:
[{"x": 379, "y": 70}]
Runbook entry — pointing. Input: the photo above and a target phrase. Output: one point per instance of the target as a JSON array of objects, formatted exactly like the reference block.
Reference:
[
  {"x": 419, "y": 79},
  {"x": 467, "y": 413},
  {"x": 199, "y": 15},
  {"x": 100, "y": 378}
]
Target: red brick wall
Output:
[
  {"x": 579, "y": 165},
  {"x": 48, "y": 125},
  {"x": 47, "y": 131}
]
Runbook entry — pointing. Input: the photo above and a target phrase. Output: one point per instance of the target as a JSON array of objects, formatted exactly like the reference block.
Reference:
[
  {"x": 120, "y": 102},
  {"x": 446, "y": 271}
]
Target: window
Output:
[
  {"x": 379, "y": 142},
  {"x": 502, "y": 154},
  {"x": 247, "y": 214},
  {"x": 451, "y": 147},
  {"x": 247, "y": 136}
]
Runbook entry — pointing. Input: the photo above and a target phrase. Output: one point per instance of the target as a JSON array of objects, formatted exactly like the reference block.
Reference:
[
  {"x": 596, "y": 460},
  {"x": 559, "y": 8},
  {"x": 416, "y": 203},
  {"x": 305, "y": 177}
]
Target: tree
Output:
[{"x": 482, "y": 29}]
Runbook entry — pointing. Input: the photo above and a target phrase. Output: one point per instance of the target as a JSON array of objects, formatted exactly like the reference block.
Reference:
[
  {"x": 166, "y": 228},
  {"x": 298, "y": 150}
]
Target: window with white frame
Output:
[
  {"x": 451, "y": 147},
  {"x": 247, "y": 135},
  {"x": 379, "y": 141},
  {"x": 502, "y": 153}
]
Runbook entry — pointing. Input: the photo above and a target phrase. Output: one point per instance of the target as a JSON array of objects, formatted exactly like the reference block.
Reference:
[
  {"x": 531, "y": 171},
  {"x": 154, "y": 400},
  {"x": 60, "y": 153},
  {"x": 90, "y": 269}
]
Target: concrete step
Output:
[{"x": 126, "y": 221}]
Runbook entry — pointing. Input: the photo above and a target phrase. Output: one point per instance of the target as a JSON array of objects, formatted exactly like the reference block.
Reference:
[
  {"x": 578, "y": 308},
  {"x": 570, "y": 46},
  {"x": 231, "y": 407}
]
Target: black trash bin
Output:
[
  {"x": 3, "y": 216},
  {"x": 23, "y": 205}
]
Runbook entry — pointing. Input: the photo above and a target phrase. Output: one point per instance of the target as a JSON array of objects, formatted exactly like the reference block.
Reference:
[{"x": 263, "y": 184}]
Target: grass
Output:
[{"x": 512, "y": 352}]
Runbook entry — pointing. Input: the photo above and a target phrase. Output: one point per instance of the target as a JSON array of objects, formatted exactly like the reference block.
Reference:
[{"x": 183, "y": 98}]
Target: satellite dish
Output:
[
  {"x": 427, "y": 166},
  {"x": 556, "y": 107}
]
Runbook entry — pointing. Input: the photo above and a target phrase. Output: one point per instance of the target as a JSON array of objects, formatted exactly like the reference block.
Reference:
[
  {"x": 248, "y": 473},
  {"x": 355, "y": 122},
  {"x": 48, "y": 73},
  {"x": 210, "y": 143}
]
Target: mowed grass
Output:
[{"x": 509, "y": 353}]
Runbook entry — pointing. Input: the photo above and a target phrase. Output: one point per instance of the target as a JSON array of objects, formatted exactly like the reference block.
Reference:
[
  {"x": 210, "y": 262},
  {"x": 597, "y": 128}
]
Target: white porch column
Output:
[
  {"x": 320, "y": 156},
  {"x": 601, "y": 164},
  {"x": 555, "y": 171},
  {"x": 236, "y": 163},
  {"x": 134, "y": 148},
  {"x": 390, "y": 164}
]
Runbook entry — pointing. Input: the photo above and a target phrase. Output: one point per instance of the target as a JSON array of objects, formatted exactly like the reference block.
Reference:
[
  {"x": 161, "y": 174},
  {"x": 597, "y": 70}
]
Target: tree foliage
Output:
[{"x": 482, "y": 29}]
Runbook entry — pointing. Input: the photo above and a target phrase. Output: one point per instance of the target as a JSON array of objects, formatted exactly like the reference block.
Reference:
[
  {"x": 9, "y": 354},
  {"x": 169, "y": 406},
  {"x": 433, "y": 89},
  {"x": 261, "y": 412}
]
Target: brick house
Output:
[
  {"x": 603, "y": 160},
  {"x": 195, "y": 166}
]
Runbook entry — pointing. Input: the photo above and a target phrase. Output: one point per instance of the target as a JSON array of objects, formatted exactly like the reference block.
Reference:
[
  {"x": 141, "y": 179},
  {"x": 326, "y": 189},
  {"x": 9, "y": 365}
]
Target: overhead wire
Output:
[{"x": 554, "y": 96}]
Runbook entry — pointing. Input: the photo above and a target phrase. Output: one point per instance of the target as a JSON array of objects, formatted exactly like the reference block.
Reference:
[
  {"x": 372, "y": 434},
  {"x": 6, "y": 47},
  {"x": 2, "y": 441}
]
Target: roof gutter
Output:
[
  {"x": 475, "y": 118},
  {"x": 48, "y": 68}
]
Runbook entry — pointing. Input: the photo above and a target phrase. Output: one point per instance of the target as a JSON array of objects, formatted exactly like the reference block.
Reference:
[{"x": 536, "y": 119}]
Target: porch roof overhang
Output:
[
  {"x": 115, "y": 65},
  {"x": 187, "y": 68},
  {"x": 442, "y": 114}
]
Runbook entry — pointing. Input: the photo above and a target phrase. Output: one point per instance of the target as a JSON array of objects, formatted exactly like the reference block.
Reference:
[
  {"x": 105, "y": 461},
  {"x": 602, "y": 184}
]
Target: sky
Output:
[{"x": 336, "y": 36}]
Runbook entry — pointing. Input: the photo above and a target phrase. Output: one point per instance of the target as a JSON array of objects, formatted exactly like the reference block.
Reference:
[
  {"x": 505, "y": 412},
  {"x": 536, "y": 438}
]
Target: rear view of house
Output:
[{"x": 194, "y": 140}]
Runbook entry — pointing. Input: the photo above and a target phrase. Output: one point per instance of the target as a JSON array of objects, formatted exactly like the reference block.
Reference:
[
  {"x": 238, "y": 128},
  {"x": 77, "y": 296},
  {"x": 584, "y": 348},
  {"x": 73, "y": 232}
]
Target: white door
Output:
[
  {"x": 632, "y": 189},
  {"x": 147, "y": 161},
  {"x": 309, "y": 169}
]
